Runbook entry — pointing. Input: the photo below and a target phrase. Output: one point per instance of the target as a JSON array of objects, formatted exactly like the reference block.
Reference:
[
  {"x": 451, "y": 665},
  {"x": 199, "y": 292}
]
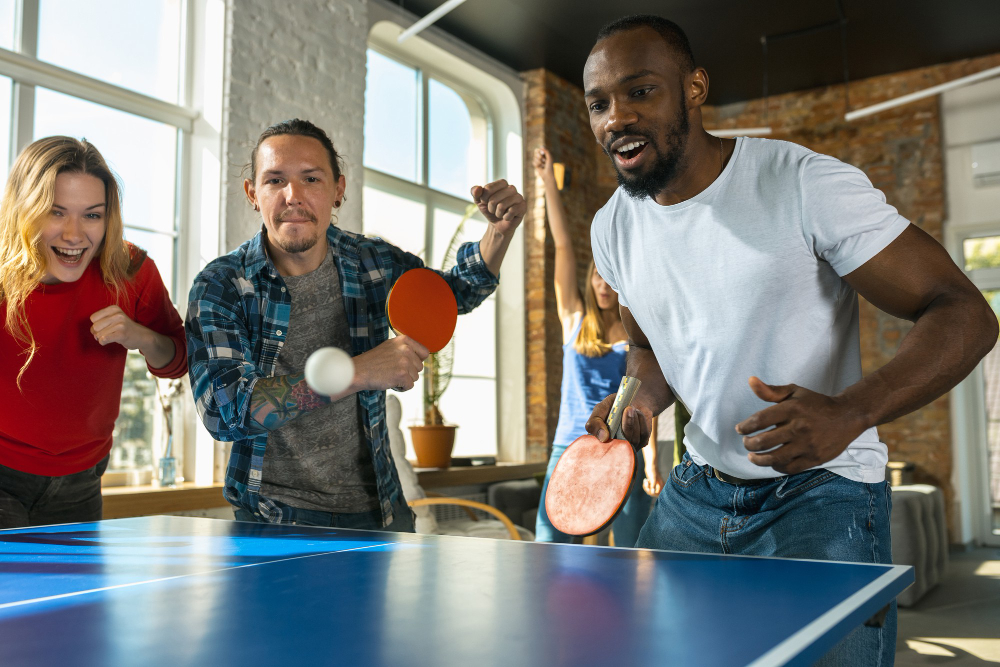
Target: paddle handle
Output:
[{"x": 626, "y": 392}]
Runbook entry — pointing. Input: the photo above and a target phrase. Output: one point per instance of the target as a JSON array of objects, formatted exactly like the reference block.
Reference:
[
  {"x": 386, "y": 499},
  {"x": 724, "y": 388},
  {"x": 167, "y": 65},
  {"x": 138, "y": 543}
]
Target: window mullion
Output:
[
  {"x": 423, "y": 141},
  {"x": 22, "y": 125},
  {"x": 26, "y": 27}
]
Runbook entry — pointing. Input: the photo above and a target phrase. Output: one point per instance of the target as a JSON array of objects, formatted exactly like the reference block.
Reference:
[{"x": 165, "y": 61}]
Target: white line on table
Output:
[{"x": 8, "y": 605}]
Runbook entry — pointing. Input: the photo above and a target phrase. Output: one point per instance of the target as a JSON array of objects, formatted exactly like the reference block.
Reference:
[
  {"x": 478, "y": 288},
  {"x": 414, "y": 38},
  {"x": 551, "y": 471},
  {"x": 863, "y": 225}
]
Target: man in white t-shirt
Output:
[{"x": 738, "y": 265}]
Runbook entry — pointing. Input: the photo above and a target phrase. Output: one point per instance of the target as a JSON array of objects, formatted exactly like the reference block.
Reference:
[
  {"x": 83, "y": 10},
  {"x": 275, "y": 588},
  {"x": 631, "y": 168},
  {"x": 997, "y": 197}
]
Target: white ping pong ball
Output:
[{"x": 329, "y": 371}]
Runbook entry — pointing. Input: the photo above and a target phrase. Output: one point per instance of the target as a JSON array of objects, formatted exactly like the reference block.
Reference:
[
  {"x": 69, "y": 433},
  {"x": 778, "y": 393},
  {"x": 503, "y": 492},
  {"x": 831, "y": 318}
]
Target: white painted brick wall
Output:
[{"x": 299, "y": 59}]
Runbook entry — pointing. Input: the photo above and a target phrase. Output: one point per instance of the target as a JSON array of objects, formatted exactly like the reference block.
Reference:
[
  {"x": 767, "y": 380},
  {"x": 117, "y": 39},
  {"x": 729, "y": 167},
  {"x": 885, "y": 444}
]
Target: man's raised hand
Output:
[{"x": 501, "y": 204}]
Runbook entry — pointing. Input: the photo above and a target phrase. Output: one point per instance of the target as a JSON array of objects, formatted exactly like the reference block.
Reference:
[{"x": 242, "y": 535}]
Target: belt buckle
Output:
[{"x": 732, "y": 479}]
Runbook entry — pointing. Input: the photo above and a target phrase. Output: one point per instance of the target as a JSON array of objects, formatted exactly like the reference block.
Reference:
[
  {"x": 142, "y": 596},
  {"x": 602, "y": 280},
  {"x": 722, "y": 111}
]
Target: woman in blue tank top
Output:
[{"x": 593, "y": 364}]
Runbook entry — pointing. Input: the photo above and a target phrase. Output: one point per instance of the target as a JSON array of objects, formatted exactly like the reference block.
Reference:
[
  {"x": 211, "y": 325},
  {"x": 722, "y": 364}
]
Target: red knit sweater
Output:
[{"x": 61, "y": 419}]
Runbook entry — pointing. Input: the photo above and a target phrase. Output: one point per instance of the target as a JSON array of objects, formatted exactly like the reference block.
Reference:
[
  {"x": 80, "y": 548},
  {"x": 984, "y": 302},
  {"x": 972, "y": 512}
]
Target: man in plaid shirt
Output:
[{"x": 301, "y": 283}]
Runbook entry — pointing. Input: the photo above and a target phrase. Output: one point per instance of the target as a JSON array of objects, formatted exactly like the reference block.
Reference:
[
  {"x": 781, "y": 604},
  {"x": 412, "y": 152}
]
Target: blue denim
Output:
[
  {"x": 40, "y": 500},
  {"x": 626, "y": 525},
  {"x": 815, "y": 514},
  {"x": 402, "y": 521}
]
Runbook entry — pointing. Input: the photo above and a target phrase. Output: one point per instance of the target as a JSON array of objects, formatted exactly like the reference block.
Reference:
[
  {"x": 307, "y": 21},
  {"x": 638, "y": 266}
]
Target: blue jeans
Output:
[
  {"x": 402, "y": 521},
  {"x": 815, "y": 514},
  {"x": 626, "y": 525}
]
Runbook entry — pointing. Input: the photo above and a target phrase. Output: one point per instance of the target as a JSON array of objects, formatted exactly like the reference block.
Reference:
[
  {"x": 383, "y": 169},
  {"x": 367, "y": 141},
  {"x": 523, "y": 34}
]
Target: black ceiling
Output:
[{"x": 882, "y": 36}]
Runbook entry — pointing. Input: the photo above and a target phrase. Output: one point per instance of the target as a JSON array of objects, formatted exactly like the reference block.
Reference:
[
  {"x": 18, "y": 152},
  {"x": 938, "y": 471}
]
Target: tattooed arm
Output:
[
  {"x": 395, "y": 363},
  {"x": 278, "y": 400}
]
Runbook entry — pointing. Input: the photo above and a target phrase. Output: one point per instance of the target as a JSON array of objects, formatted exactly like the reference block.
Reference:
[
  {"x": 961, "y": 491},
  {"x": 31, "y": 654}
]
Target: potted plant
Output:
[{"x": 434, "y": 440}]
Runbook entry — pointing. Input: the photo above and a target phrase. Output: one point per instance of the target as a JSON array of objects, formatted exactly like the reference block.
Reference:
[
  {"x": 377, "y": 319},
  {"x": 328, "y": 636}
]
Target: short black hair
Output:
[
  {"x": 301, "y": 128},
  {"x": 668, "y": 30}
]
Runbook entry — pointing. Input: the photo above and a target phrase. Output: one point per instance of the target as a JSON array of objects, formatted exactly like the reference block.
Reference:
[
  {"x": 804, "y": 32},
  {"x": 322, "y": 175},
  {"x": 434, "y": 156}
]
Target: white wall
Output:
[
  {"x": 301, "y": 59},
  {"x": 971, "y": 115}
]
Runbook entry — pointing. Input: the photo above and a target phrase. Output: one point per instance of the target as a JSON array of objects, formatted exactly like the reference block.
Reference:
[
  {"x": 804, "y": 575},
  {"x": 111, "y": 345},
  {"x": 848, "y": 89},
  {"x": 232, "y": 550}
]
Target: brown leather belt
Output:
[{"x": 739, "y": 481}]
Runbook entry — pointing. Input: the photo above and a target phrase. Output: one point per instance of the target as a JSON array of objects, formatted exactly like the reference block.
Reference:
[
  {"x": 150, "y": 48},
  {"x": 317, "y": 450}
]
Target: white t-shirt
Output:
[{"x": 745, "y": 279}]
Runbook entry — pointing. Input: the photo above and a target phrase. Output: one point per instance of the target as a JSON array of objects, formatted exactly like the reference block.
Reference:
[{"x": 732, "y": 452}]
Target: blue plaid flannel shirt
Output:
[{"x": 237, "y": 321}]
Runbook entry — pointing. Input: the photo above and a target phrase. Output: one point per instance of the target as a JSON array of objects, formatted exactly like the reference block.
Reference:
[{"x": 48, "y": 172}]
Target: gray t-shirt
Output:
[
  {"x": 748, "y": 281},
  {"x": 319, "y": 461}
]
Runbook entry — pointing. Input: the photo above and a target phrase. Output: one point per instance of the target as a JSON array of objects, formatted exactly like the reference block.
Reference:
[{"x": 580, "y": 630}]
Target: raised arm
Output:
[
  {"x": 954, "y": 328},
  {"x": 504, "y": 208},
  {"x": 569, "y": 304},
  {"x": 654, "y": 395}
]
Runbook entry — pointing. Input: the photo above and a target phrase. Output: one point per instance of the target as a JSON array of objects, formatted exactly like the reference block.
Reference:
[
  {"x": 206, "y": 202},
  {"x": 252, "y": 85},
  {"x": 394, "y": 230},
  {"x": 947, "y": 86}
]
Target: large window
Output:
[
  {"x": 120, "y": 74},
  {"x": 981, "y": 258},
  {"x": 427, "y": 142},
  {"x": 5, "y": 100}
]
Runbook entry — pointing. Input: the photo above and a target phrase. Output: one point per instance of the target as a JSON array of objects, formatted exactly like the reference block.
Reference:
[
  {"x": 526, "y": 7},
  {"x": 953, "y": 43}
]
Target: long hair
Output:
[
  {"x": 24, "y": 209},
  {"x": 590, "y": 341}
]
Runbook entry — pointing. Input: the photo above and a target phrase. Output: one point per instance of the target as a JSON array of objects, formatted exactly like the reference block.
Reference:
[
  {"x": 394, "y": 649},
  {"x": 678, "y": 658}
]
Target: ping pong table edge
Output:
[{"x": 812, "y": 641}]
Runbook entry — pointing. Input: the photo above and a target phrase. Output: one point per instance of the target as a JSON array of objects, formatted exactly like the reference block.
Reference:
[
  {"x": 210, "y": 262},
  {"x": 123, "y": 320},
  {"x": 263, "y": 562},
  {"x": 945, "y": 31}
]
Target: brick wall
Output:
[
  {"x": 900, "y": 150},
  {"x": 303, "y": 59},
  {"x": 555, "y": 117}
]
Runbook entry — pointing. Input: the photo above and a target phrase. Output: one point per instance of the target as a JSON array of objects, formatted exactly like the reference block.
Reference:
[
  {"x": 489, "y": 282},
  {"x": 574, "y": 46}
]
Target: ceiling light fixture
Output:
[
  {"x": 428, "y": 20},
  {"x": 920, "y": 94},
  {"x": 740, "y": 132}
]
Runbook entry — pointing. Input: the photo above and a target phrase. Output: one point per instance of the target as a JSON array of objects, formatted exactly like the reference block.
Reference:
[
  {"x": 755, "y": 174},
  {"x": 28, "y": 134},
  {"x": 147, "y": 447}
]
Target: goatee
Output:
[
  {"x": 669, "y": 162},
  {"x": 296, "y": 245}
]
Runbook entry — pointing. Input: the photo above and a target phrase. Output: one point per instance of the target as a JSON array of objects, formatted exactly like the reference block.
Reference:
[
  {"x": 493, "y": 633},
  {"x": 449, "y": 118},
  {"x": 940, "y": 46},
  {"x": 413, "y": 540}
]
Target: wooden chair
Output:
[{"x": 467, "y": 504}]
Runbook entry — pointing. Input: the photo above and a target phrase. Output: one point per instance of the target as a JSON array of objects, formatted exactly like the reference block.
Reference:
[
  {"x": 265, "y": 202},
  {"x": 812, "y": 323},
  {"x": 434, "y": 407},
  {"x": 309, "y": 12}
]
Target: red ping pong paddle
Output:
[
  {"x": 422, "y": 306},
  {"x": 591, "y": 481}
]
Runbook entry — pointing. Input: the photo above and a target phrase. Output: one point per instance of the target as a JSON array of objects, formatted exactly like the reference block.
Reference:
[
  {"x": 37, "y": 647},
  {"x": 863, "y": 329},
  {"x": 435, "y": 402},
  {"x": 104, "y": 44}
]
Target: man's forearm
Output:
[
  {"x": 949, "y": 338},
  {"x": 280, "y": 399},
  {"x": 654, "y": 393},
  {"x": 492, "y": 248}
]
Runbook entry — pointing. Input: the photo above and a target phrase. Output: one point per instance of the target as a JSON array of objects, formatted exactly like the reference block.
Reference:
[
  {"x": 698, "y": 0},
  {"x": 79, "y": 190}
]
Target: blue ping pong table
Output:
[{"x": 168, "y": 591}]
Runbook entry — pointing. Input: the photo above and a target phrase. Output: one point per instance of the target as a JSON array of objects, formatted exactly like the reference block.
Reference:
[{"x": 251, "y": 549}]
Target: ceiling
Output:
[{"x": 883, "y": 36}]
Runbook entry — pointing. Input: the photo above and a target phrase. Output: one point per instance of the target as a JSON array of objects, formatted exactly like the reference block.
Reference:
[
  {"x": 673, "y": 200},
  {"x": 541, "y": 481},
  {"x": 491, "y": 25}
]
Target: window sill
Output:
[
  {"x": 430, "y": 478},
  {"x": 128, "y": 501}
]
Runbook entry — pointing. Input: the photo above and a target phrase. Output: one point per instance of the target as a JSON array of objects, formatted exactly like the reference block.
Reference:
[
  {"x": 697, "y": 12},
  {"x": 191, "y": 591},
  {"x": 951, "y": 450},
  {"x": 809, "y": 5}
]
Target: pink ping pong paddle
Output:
[
  {"x": 591, "y": 481},
  {"x": 422, "y": 306}
]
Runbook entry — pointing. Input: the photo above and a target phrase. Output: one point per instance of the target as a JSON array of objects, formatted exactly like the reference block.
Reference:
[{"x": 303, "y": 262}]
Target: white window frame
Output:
[
  {"x": 197, "y": 229},
  {"x": 497, "y": 90},
  {"x": 969, "y": 437},
  {"x": 968, "y": 117}
]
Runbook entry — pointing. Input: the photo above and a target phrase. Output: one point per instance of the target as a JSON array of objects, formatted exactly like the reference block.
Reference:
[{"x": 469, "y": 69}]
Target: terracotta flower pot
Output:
[{"x": 433, "y": 445}]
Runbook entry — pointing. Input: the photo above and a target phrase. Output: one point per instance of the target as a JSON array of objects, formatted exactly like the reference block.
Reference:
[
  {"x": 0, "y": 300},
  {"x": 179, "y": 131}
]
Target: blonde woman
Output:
[
  {"x": 593, "y": 364},
  {"x": 74, "y": 298}
]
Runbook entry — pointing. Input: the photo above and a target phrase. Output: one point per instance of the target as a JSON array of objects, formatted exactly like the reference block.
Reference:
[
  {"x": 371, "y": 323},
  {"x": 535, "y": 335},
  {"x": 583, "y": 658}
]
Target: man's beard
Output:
[
  {"x": 668, "y": 164},
  {"x": 296, "y": 244}
]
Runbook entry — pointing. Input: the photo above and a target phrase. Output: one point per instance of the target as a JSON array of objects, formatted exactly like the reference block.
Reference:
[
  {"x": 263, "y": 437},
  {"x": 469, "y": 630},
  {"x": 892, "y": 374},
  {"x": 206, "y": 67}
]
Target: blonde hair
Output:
[
  {"x": 590, "y": 342},
  {"x": 24, "y": 209}
]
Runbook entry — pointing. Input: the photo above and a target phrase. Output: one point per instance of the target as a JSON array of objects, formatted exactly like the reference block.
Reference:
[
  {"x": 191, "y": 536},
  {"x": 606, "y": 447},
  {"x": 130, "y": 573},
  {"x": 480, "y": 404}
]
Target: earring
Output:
[{"x": 336, "y": 204}]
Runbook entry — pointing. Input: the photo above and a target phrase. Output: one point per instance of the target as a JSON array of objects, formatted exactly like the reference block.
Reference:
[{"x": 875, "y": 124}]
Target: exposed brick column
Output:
[{"x": 555, "y": 117}]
